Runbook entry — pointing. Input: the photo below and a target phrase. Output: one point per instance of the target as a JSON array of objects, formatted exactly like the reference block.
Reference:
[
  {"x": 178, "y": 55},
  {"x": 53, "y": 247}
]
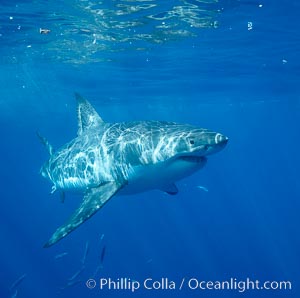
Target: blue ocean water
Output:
[{"x": 231, "y": 66}]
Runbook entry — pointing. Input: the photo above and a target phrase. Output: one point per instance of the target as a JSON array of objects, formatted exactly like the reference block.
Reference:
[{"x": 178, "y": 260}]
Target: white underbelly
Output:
[
  {"x": 74, "y": 183},
  {"x": 160, "y": 175}
]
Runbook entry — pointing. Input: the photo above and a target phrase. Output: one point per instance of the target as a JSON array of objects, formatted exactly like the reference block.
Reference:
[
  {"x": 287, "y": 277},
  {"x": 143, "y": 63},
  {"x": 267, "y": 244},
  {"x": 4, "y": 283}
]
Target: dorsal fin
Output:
[
  {"x": 45, "y": 142},
  {"x": 87, "y": 115}
]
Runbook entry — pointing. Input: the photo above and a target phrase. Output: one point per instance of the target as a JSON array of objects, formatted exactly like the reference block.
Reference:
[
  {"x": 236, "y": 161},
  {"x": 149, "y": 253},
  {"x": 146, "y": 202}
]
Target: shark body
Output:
[{"x": 124, "y": 158}]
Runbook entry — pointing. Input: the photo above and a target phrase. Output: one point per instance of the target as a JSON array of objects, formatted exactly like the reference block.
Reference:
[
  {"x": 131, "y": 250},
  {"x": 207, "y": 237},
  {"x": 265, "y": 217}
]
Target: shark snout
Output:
[{"x": 221, "y": 139}]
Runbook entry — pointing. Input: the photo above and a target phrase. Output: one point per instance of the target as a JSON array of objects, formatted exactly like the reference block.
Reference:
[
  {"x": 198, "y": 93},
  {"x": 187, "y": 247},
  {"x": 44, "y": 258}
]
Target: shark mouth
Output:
[{"x": 193, "y": 158}]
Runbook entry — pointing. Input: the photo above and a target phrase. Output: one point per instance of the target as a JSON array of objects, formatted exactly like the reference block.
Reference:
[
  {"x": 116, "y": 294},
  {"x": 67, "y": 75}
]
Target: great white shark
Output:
[{"x": 106, "y": 159}]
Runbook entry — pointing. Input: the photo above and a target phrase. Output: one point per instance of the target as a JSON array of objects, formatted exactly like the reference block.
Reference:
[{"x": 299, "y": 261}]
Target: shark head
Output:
[
  {"x": 200, "y": 142},
  {"x": 171, "y": 152},
  {"x": 183, "y": 141}
]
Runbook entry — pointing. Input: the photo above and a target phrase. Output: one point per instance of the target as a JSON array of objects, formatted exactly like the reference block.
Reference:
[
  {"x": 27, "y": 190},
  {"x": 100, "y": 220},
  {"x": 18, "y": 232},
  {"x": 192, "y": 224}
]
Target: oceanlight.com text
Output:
[
  {"x": 239, "y": 285},
  {"x": 192, "y": 284}
]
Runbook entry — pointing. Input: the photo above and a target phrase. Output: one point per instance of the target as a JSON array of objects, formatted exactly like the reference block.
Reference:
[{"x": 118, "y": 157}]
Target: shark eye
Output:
[{"x": 192, "y": 142}]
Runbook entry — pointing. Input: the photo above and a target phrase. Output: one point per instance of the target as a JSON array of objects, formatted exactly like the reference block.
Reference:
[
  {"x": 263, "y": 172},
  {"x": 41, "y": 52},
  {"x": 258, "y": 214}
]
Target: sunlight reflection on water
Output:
[{"x": 81, "y": 31}]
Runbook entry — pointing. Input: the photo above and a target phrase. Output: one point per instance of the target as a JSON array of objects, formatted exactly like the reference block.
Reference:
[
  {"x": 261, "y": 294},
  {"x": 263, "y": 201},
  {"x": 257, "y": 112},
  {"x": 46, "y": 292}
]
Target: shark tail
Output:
[{"x": 46, "y": 143}]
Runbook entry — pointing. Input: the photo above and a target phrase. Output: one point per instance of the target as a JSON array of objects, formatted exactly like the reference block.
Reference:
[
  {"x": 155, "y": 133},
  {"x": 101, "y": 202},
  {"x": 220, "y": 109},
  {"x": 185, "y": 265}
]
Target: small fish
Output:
[
  {"x": 76, "y": 274},
  {"x": 86, "y": 251},
  {"x": 149, "y": 261},
  {"x": 59, "y": 256},
  {"x": 44, "y": 31},
  {"x": 100, "y": 266},
  {"x": 17, "y": 282},
  {"x": 102, "y": 254},
  {"x": 15, "y": 294},
  {"x": 202, "y": 187},
  {"x": 101, "y": 240}
]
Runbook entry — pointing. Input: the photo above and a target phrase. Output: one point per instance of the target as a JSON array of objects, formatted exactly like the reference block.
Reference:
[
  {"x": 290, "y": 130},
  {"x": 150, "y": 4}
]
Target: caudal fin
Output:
[{"x": 45, "y": 142}]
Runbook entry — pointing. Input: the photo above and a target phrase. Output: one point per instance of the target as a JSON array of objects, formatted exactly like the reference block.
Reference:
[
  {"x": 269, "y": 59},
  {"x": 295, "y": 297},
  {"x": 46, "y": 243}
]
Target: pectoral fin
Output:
[
  {"x": 170, "y": 189},
  {"x": 92, "y": 202}
]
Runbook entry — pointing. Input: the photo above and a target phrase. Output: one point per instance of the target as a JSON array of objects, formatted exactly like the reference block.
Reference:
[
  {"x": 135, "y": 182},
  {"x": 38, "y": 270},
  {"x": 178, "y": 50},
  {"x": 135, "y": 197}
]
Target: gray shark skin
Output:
[{"x": 124, "y": 158}]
